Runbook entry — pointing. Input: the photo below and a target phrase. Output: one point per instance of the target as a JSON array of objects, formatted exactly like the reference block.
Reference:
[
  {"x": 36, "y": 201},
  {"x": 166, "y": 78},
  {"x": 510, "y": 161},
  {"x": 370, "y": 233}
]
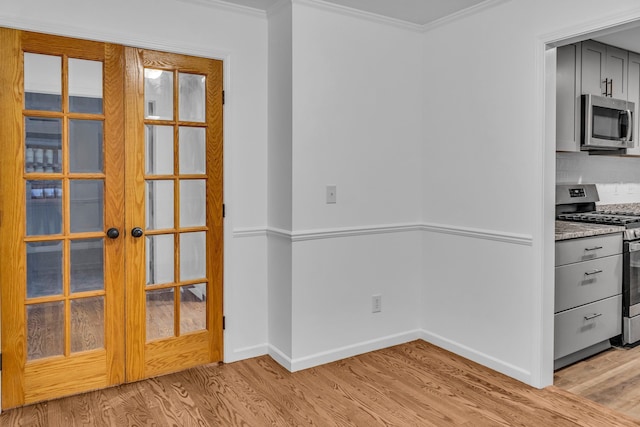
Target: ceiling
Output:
[
  {"x": 418, "y": 12},
  {"x": 422, "y": 12}
]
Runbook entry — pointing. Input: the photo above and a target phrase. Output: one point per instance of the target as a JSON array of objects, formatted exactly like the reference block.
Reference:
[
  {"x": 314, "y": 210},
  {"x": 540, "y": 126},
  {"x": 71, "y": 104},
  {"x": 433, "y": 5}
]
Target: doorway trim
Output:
[{"x": 544, "y": 240}]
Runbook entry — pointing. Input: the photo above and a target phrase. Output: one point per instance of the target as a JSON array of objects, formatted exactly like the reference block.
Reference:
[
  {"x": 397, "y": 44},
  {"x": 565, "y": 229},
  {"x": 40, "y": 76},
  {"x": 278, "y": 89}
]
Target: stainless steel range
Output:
[{"x": 577, "y": 203}]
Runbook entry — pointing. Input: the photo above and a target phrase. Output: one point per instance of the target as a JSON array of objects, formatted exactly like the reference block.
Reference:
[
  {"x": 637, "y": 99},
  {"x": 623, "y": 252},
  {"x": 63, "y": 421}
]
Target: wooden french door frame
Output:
[
  {"x": 145, "y": 359},
  {"x": 127, "y": 356},
  {"x": 40, "y": 379}
]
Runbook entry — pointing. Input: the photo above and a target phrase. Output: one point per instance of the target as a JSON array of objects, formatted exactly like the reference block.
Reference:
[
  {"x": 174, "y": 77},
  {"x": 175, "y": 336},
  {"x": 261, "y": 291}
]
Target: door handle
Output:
[
  {"x": 137, "y": 232},
  {"x": 113, "y": 233},
  {"x": 593, "y": 316}
]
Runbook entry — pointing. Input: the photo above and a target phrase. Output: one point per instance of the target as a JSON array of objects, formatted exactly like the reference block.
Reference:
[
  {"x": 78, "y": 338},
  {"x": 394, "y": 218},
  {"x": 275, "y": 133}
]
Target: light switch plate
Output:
[{"x": 331, "y": 194}]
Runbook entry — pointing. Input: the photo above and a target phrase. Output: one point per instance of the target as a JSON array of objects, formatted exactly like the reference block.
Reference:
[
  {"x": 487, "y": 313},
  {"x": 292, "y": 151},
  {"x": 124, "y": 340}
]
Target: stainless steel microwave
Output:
[{"x": 607, "y": 123}]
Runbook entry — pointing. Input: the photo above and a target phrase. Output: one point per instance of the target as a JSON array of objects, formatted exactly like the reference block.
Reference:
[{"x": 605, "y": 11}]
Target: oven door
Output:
[{"x": 631, "y": 291}]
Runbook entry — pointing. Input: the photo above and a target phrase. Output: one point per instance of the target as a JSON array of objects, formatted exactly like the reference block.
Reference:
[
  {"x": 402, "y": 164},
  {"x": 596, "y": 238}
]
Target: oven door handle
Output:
[{"x": 633, "y": 247}]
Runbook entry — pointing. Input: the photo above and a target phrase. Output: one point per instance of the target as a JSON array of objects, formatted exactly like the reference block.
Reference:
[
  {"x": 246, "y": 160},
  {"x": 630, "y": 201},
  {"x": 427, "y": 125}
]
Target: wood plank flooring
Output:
[
  {"x": 414, "y": 384},
  {"x": 611, "y": 378}
]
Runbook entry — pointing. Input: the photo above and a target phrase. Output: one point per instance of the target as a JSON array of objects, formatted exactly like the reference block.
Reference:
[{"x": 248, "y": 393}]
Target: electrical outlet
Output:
[{"x": 376, "y": 303}]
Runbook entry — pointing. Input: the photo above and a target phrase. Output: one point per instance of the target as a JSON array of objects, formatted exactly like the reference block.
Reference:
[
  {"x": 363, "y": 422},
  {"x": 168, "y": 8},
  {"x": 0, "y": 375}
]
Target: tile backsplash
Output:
[{"x": 617, "y": 178}]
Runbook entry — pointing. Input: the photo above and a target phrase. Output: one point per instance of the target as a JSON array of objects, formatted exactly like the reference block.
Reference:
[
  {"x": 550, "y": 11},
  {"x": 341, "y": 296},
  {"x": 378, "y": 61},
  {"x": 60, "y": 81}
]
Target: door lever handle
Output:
[{"x": 137, "y": 232}]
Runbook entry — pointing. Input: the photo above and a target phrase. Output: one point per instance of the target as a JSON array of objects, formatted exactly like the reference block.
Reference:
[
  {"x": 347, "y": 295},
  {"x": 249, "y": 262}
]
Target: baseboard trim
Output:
[
  {"x": 276, "y": 354},
  {"x": 321, "y": 358},
  {"x": 340, "y": 353},
  {"x": 248, "y": 353},
  {"x": 479, "y": 357}
]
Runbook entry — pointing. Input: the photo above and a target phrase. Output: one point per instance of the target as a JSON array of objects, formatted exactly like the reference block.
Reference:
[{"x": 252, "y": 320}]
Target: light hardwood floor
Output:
[
  {"x": 611, "y": 378},
  {"x": 414, "y": 384}
]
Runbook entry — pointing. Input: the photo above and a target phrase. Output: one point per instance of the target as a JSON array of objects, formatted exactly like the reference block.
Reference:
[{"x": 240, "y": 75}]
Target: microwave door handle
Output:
[{"x": 629, "y": 124}]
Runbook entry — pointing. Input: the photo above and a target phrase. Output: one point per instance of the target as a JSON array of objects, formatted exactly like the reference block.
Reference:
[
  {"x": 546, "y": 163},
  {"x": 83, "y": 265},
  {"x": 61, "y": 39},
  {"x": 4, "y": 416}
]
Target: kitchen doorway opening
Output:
[{"x": 609, "y": 366}]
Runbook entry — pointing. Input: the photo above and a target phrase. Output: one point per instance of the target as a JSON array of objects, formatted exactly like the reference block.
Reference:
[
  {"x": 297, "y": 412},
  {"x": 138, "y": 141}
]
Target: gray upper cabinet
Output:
[
  {"x": 604, "y": 70},
  {"x": 593, "y": 68},
  {"x": 568, "y": 88},
  {"x": 634, "y": 96}
]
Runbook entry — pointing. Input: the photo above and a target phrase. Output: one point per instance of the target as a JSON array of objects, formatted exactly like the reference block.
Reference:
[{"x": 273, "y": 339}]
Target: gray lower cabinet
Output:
[{"x": 588, "y": 296}]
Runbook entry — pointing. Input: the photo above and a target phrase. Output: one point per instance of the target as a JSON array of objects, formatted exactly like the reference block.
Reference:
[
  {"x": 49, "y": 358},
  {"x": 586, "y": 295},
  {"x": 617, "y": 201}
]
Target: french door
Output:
[{"x": 110, "y": 214}]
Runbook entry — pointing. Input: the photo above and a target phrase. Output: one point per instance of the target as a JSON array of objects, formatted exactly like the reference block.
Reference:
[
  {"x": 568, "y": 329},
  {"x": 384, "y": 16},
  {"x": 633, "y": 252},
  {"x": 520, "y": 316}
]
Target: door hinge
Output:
[
  {"x": 224, "y": 323},
  {"x": 222, "y": 97},
  {"x": 224, "y": 210}
]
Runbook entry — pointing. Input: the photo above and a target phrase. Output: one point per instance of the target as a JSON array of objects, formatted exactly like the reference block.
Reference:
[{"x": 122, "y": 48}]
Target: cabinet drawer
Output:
[
  {"x": 587, "y": 325},
  {"x": 587, "y": 248},
  {"x": 584, "y": 282}
]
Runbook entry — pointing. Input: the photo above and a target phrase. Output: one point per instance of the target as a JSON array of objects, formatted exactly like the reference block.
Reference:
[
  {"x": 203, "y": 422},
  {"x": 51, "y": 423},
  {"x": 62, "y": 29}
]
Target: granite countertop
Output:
[
  {"x": 622, "y": 207},
  {"x": 573, "y": 230}
]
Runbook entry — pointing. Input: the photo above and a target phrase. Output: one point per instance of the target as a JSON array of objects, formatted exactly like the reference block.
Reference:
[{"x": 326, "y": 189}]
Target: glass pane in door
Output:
[
  {"x": 44, "y": 207},
  {"x": 191, "y": 101},
  {"x": 43, "y": 145},
  {"x": 44, "y": 269},
  {"x": 193, "y": 308},
  {"x": 85, "y": 146},
  {"x": 85, "y": 86},
  {"x": 42, "y": 82},
  {"x": 87, "y": 324},
  {"x": 159, "y": 150},
  {"x": 159, "y": 204},
  {"x": 87, "y": 265},
  {"x": 45, "y": 326},
  {"x": 158, "y": 94},
  {"x": 87, "y": 205},
  {"x": 193, "y": 202},
  {"x": 160, "y": 314},
  {"x": 192, "y": 150},
  {"x": 160, "y": 259},
  {"x": 193, "y": 256}
]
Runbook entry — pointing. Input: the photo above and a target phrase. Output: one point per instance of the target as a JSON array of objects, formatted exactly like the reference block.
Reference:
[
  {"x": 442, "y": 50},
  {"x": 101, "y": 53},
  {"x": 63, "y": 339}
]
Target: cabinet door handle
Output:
[
  {"x": 595, "y": 248},
  {"x": 591, "y": 273},
  {"x": 606, "y": 87},
  {"x": 610, "y": 87},
  {"x": 592, "y": 316}
]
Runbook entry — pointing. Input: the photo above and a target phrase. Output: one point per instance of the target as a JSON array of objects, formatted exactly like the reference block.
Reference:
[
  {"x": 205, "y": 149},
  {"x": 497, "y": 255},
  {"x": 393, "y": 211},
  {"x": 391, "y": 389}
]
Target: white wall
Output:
[
  {"x": 240, "y": 40},
  {"x": 490, "y": 178},
  {"x": 280, "y": 182},
  {"x": 356, "y": 124}
]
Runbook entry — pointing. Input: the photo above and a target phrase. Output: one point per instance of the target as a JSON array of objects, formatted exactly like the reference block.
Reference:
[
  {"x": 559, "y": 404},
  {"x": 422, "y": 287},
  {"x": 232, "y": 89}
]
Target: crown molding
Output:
[
  {"x": 480, "y": 7},
  {"x": 231, "y": 7},
  {"x": 356, "y": 13}
]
